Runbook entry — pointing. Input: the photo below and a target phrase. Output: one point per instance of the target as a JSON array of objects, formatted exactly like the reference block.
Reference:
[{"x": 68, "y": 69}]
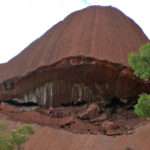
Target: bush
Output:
[
  {"x": 20, "y": 135},
  {"x": 142, "y": 108},
  {"x": 5, "y": 143},
  {"x": 140, "y": 62},
  {"x": 16, "y": 138}
]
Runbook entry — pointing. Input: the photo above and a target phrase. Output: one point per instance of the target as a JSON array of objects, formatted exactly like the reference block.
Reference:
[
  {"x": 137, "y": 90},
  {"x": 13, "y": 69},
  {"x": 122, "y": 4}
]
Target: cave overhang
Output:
[{"x": 74, "y": 79}]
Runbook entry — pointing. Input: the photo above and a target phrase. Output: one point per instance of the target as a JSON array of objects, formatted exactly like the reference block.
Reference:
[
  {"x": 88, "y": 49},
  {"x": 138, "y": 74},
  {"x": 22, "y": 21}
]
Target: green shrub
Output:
[
  {"x": 140, "y": 62},
  {"x": 16, "y": 138},
  {"x": 142, "y": 108},
  {"x": 25, "y": 130},
  {"x": 20, "y": 135},
  {"x": 5, "y": 143}
]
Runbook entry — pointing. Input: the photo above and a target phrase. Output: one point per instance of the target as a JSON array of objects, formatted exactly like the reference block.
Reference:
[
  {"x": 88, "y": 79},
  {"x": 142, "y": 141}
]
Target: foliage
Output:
[
  {"x": 140, "y": 62},
  {"x": 142, "y": 108},
  {"x": 16, "y": 138},
  {"x": 20, "y": 135},
  {"x": 5, "y": 143}
]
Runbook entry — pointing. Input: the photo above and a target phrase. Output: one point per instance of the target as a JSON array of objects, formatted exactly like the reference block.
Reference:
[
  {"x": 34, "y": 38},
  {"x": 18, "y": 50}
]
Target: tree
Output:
[{"x": 140, "y": 63}]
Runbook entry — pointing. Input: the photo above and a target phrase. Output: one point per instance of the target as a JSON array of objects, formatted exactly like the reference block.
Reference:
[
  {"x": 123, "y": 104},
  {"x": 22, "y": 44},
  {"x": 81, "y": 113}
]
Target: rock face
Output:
[{"x": 89, "y": 48}]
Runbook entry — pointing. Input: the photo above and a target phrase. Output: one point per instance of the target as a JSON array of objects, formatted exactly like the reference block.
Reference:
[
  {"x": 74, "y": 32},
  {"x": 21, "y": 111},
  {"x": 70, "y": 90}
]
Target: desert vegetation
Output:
[
  {"x": 13, "y": 140},
  {"x": 140, "y": 63}
]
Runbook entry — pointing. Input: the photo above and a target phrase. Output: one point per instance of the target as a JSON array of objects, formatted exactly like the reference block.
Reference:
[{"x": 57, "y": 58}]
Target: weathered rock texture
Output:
[
  {"x": 89, "y": 48},
  {"x": 59, "y": 92}
]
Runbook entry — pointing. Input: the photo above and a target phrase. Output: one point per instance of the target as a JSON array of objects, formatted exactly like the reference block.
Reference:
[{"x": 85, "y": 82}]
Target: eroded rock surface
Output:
[{"x": 89, "y": 48}]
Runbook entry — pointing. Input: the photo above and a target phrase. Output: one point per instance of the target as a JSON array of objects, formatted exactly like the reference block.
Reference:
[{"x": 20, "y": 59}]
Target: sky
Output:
[{"x": 22, "y": 21}]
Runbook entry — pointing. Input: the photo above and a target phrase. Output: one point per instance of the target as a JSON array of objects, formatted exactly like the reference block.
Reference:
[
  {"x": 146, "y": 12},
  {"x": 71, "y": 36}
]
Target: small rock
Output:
[
  {"x": 125, "y": 101},
  {"x": 109, "y": 125},
  {"x": 67, "y": 121},
  {"x": 102, "y": 117},
  {"x": 128, "y": 148},
  {"x": 50, "y": 110},
  {"x": 113, "y": 132},
  {"x": 119, "y": 110},
  {"x": 56, "y": 112},
  {"x": 91, "y": 112},
  {"x": 129, "y": 132}
]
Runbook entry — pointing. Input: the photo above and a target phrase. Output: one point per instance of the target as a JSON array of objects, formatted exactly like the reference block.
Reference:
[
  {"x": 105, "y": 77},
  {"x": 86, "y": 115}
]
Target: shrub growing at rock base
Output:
[
  {"x": 142, "y": 108},
  {"x": 140, "y": 63}
]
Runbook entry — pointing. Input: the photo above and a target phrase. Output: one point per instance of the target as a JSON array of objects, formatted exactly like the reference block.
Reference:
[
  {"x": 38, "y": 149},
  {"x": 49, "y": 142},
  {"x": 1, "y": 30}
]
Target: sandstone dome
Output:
[
  {"x": 104, "y": 33},
  {"x": 90, "y": 45}
]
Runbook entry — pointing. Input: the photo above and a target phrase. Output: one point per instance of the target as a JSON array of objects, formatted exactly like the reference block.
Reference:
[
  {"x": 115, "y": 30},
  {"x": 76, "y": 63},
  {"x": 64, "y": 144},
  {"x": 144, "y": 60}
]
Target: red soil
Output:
[
  {"x": 84, "y": 134},
  {"x": 51, "y": 139},
  {"x": 67, "y": 118}
]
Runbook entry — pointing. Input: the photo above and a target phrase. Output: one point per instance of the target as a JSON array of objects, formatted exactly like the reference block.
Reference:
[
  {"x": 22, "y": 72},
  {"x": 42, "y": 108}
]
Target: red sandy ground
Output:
[
  {"x": 67, "y": 118},
  {"x": 52, "y": 139},
  {"x": 134, "y": 133}
]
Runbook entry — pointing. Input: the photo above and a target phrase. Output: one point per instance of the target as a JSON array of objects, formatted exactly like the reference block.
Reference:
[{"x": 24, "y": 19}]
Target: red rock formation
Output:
[{"x": 88, "y": 46}]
